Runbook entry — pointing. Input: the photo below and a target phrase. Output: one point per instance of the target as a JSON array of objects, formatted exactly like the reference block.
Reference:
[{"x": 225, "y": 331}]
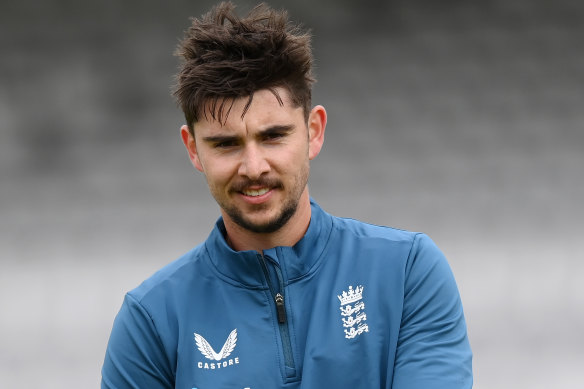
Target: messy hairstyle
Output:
[{"x": 225, "y": 57}]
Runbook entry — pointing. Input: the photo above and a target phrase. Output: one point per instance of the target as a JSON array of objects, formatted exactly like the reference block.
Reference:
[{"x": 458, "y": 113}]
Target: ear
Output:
[
  {"x": 316, "y": 127},
  {"x": 189, "y": 142}
]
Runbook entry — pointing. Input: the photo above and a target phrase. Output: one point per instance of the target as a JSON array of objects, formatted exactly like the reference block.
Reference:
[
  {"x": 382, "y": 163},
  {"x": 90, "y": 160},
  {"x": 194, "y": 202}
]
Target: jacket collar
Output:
[{"x": 243, "y": 267}]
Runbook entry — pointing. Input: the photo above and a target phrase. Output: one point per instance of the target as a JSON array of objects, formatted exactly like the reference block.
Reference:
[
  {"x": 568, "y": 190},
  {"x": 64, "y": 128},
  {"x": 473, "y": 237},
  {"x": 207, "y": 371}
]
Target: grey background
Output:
[{"x": 462, "y": 119}]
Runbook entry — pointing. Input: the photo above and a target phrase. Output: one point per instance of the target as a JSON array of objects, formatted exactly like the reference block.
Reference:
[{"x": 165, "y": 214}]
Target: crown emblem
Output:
[{"x": 351, "y": 296}]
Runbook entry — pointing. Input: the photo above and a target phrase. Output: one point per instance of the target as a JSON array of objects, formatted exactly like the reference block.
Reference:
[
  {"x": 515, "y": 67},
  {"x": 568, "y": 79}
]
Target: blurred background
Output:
[{"x": 462, "y": 119}]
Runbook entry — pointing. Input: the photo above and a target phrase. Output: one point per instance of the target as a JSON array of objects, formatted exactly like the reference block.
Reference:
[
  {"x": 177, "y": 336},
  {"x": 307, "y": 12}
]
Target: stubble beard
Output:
[
  {"x": 287, "y": 210},
  {"x": 273, "y": 225}
]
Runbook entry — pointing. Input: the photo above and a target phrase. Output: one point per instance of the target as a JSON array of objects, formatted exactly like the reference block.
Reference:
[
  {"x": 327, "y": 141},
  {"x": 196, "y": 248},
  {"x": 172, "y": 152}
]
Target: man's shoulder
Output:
[
  {"x": 363, "y": 230},
  {"x": 171, "y": 275}
]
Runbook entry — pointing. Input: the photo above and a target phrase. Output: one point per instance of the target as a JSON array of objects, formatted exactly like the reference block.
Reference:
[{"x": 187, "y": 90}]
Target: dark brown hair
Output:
[{"x": 227, "y": 57}]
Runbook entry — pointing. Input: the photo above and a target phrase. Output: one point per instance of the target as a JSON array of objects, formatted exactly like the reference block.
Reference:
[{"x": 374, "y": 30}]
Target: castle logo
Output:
[
  {"x": 219, "y": 359},
  {"x": 353, "y": 312}
]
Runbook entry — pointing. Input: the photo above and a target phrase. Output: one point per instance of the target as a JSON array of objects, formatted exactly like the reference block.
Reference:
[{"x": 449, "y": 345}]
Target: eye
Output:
[
  {"x": 225, "y": 144},
  {"x": 274, "y": 136}
]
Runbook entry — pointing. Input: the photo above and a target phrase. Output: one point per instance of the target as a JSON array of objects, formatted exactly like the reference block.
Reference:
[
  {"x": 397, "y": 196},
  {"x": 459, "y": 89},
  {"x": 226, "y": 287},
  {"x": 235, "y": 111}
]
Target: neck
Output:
[{"x": 241, "y": 239}]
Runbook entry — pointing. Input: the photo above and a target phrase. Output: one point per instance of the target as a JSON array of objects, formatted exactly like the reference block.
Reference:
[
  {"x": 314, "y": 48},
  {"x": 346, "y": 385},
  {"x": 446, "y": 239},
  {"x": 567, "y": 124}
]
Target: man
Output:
[{"x": 281, "y": 294}]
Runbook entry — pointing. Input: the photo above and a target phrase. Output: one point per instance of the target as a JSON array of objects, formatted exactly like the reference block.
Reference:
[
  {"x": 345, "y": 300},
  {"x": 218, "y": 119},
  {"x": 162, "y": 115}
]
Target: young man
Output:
[{"x": 281, "y": 294}]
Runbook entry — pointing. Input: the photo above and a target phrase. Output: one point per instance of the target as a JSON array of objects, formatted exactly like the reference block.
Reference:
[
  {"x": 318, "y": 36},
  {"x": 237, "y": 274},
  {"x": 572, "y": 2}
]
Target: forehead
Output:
[{"x": 267, "y": 107}]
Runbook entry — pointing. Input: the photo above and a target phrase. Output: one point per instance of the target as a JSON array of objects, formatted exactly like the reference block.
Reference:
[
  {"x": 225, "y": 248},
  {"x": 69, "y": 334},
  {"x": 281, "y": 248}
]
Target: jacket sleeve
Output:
[
  {"x": 433, "y": 349},
  {"x": 135, "y": 356}
]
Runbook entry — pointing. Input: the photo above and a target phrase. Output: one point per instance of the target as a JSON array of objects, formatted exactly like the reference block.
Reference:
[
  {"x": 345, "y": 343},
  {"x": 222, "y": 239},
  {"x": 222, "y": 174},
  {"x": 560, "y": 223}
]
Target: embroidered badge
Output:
[
  {"x": 219, "y": 359},
  {"x": 353, "y": 312}
]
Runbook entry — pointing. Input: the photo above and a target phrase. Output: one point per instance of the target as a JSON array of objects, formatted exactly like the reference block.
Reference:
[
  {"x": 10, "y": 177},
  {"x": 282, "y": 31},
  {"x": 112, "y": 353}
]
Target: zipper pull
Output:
[{"x": 280, "y": 308}]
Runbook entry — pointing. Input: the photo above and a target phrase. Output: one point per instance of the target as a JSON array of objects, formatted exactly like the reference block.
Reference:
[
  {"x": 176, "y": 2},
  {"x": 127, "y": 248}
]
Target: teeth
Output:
[{"x": 255, "y": 193}]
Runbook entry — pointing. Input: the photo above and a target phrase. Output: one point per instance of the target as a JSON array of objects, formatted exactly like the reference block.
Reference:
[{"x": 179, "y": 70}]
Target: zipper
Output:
[
  {"x": 277, "y": 292},
  {"x": 280, "y": 308}
]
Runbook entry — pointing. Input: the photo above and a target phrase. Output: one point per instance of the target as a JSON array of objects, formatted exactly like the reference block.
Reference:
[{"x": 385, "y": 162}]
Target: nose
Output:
[{"x": 253, "y": 163}]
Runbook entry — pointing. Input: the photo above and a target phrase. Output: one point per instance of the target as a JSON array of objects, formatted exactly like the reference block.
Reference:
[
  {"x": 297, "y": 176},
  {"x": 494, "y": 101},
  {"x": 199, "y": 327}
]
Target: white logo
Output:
[
  {"x": 207, "y": 351},
  {"x": 348, "y": 309}
]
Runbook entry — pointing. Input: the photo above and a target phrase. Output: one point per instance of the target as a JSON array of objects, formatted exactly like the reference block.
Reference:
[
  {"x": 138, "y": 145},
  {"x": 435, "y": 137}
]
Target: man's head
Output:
[
  {"x": 226, "y": 57},
  {"x": 257, "y": 167},
  {"x": 245, "y": 88}
]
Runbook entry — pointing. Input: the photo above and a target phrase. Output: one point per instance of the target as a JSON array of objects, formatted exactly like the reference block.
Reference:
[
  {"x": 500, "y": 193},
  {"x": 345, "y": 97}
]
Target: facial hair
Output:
[{"x": 287, "y": 210}]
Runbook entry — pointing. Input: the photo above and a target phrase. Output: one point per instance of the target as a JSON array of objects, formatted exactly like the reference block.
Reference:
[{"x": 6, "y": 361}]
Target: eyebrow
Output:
[
  {"x": 220, "y": 138},
  {"x": 279, "y": 128}
]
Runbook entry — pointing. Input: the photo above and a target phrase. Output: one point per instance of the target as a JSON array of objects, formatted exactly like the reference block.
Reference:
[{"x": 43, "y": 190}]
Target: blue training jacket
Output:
[{"x": 351, "y": 305}]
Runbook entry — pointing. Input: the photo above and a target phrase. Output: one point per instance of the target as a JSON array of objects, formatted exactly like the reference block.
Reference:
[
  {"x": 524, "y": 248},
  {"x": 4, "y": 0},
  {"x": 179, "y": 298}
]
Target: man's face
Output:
[{"x": 257, "y": 166}]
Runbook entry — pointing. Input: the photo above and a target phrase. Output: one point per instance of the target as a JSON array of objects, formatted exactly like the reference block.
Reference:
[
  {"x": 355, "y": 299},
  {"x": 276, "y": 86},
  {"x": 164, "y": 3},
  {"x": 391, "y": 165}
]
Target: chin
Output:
[{"x": 263, "y": 225}]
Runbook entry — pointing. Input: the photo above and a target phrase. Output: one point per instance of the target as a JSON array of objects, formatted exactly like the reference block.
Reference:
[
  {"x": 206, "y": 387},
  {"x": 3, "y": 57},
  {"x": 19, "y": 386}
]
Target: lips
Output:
[
  {"x": 256, "y": 188},
  {"x": 255, "y": 192}
]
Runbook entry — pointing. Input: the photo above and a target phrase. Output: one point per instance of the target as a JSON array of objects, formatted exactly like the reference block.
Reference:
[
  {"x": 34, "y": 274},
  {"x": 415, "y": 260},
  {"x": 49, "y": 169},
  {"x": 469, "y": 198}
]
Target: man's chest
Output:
[{"x": 335, "y": 336}]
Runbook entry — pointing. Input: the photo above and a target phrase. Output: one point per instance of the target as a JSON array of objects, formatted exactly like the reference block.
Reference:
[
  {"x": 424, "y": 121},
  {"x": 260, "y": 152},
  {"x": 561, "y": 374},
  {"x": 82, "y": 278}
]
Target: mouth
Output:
[{"x": 255, "y": 192}]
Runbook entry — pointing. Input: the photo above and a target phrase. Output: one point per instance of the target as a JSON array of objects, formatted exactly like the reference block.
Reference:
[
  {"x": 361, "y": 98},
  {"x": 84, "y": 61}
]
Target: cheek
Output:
[
  {"x": 286, "y": 161},
  {"x": 294, "y": 162},
  {"x": 296, "y": 152},
  {"x": 215, "y": 176},
  {"x": 218, "y": 171}
]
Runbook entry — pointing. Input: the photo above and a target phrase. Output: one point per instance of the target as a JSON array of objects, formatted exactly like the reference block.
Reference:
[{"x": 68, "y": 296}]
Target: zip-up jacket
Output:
[{"x": 351, "y": 305}]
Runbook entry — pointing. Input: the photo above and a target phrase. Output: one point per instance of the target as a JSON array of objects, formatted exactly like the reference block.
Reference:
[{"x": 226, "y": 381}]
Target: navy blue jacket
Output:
[{"x": 351, "y": 305}]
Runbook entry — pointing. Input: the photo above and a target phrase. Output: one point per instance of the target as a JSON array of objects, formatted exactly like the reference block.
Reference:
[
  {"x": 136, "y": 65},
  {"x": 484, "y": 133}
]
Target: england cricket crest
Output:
[{"x": 353, "y": 312}]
